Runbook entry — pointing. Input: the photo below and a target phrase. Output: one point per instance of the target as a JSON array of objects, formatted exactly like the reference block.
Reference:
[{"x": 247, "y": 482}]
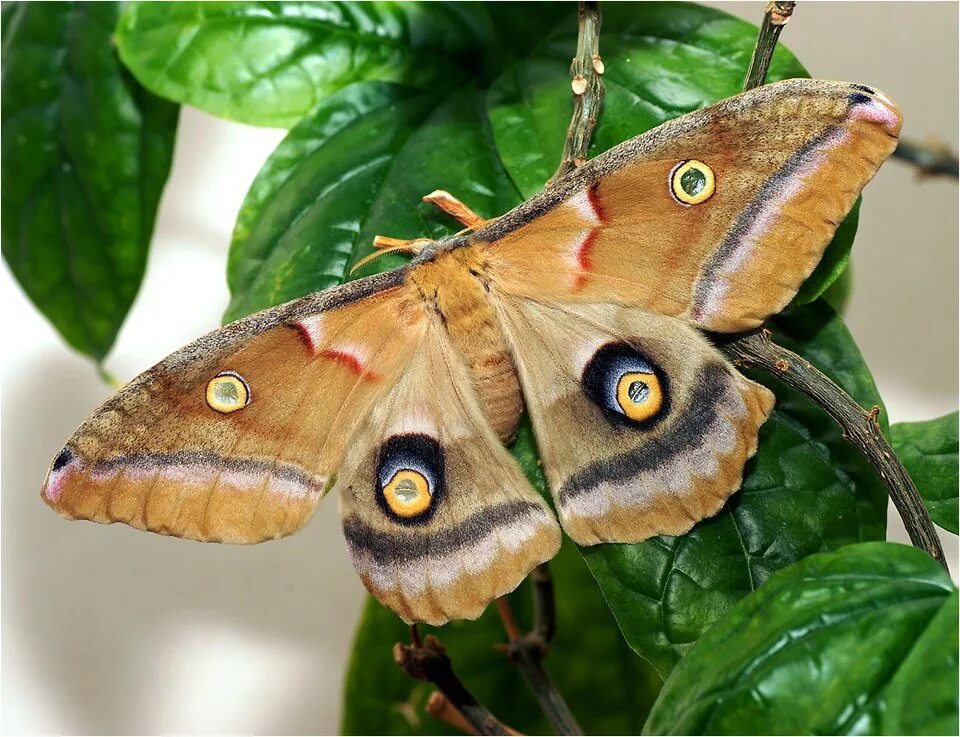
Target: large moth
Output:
[{"x": 586, "y": 304}]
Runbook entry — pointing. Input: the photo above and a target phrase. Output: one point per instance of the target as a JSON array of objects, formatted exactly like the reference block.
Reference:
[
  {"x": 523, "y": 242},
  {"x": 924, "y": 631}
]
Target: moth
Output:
[{"x": 587, "y": 304}]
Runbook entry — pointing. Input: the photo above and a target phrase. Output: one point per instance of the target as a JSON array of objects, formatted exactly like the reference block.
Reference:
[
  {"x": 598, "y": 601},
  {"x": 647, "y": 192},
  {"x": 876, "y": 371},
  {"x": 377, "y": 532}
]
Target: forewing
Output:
[
  {"x": 788, "y": 161},
  {"x": 300, "y": 377}
]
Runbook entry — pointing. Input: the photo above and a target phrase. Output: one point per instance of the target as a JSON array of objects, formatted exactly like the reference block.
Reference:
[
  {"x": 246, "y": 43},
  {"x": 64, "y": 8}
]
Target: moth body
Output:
[{"x": 451, "y": 282}]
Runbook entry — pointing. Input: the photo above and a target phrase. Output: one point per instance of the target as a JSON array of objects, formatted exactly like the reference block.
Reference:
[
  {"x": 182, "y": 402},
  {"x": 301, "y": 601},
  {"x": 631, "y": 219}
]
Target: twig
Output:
[
  {"x": 440, "y": 708},
  {"x": 776, "y": 16},
  {"x": 586, "y": 71},
  {"x": 932, "y": 159},
  {"x": 528, "y": 651},
  {"x": 428, "y": 661},
  {"x": 859, "y": 427}
]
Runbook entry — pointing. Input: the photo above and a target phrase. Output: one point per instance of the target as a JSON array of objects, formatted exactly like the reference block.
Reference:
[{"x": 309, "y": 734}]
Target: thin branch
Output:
[
  {"x": 776, "y": 16},
  {"x": 586, "y": 73},
  {"x": 428, "y": 661},
  {"x": 859, "y": 427},
  {"x": 528, "y": 651},
  {"x": 931, "y": 159}
]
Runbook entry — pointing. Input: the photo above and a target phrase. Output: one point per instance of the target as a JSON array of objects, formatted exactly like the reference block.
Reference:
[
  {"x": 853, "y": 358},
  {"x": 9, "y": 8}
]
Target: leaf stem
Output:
[
  {"x": 859, "y": 427},
  {"x": 775, "y": 17}
]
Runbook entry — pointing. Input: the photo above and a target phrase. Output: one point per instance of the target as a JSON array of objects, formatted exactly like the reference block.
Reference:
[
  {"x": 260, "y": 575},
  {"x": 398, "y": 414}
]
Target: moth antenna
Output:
[{"x": 383, "y": 244}]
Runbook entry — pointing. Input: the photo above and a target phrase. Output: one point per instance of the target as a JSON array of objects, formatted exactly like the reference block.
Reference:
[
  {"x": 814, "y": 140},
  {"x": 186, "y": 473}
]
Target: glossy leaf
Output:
[
  {"x": 356, "y": 167},
  {"x": 606, "y": 685},
  {"x": 858, "y": 641},
  {"x": 270, "y": 63},
  {"x": 929, "y": 452},
  {"x": 661, "y": 60},
  {"x": 86, "y": 152},
  {"x": 807, "y": 490}
]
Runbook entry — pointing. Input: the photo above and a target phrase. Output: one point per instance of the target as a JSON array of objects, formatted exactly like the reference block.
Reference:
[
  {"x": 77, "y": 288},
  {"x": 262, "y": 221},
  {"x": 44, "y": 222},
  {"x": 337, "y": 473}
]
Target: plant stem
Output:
[
  {"x": 528, "y": 651},
  {"x": 859, "y": 427},
  {"x": 428, "y": 661},
  {"x": 586, "y": 73},
  {"x": 931, "y": 160},
  {"x": 776, "y": 16}
]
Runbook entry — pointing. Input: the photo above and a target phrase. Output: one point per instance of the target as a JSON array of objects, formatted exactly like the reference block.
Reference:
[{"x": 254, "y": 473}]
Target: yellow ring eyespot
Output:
[
  {"x": 407, "y": 493},
  {"x": 692, "y": 182},
  {"x": 639, "y": 395},
  {"x": 227, "y": 392}
]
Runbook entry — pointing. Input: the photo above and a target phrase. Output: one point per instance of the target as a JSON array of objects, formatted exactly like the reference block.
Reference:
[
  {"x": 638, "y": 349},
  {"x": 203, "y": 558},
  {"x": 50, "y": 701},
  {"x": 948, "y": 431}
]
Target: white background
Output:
[{"x": 106, "y": 629}]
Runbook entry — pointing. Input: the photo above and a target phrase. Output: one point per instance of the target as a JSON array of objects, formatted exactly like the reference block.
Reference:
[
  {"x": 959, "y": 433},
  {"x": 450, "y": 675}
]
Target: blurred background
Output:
[{"x": 109, "y": 630}]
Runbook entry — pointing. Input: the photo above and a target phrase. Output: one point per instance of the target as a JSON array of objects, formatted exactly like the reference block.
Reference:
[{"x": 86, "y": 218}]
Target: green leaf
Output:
[
  {"x": 929, "y": 452},
  {"x": 606, "y": 685},
  {"x": 270, "y": 63},
  {"x": 85, "y": 153},
  {"x": 359, "y": 165},
  {"x": 807, "y": 490},
  {"x": 661, "y": 60},
  {"x": 858, "y": 641}
]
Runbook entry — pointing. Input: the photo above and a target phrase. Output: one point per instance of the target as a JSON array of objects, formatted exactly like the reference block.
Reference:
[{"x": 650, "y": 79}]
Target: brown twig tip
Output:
[
  {"x": 780, "y": 12},
  {"x": 440, "y": 708}
]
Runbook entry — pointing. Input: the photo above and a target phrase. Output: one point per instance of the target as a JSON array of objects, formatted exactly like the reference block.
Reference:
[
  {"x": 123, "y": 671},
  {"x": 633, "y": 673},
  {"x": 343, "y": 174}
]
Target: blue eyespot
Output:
[{"x": 626, "y": 384}]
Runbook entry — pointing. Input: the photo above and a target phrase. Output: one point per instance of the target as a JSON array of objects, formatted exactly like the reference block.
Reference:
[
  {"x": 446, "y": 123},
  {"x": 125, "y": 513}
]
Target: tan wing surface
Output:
[
  {"x": 294, "y": 380},
  {"x": 643, "y": 427},
  {"x": 438, "y": 516},
  {"x": 774, "y": 171}
]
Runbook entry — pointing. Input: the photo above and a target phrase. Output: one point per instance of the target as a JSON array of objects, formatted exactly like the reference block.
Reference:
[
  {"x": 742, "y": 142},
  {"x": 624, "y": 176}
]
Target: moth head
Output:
[
  {"x": 692, "y": 182},
  {"x": 626, "y": 384},
  {"x": 410, "y": 477},
  {"x": 228, "y": 392}
]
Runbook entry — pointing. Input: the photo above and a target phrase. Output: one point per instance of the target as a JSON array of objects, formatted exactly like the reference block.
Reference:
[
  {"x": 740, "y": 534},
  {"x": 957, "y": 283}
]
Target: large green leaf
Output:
[
  {"x": 607, "y": 686},
  {"x": 85, "y": 154},
  {"x": 269, "y": 63},
  {"x": 929, "y": 451},
  {"x": 859, "y": 641},
  {"x": 806, "y": 491}
]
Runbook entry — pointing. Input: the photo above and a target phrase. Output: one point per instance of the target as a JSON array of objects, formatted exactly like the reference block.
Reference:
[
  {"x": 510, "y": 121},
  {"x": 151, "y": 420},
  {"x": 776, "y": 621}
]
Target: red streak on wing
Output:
[
  {"x": 594, "y": 199},
  {"x": 305, "y": 336},
  {"x": 351, "y": 362},
  {"x": 583, "y": 259}
]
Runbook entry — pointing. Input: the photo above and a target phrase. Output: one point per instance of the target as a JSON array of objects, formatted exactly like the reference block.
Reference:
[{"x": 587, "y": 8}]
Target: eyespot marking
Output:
[
  {"x": 228, "y": 392},
  {"x": 410, "y": 477},
  {"x": 639, "y": 395},
  {"x": 626, "y": 384},
  {"x": 692, "y": 182},
  {"x": 407, "y": 493}
]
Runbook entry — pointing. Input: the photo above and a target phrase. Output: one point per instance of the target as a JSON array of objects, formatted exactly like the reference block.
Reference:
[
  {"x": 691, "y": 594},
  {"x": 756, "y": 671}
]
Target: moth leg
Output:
[{"x": 455, "y": 208}]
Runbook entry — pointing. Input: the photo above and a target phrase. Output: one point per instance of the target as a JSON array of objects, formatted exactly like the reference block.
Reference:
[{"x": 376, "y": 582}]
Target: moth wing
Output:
[
  {"x": 438, "y": 516},
  {"x": 159, "y": 457},
  {"x": 785, "y": 164},
  {"x": 642, "y": 426}
]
